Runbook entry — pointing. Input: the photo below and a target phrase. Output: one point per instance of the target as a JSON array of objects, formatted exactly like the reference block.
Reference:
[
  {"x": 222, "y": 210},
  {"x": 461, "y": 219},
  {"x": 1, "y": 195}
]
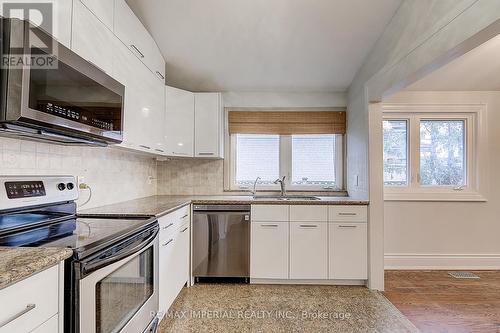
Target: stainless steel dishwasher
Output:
[{"x": 221, "y": 241}]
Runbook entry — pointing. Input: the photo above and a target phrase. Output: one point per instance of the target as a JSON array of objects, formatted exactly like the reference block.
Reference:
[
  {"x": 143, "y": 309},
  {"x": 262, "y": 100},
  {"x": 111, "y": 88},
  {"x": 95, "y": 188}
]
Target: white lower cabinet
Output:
[
  {"x": 269, "y": 250},
  {"x": 296, "y": 242},
  {"x": 32, "y": 305},
  {"x": 348, "y": 251},
  {"x": 308, "y": 250},
  {"x": 173, "y": 261}
]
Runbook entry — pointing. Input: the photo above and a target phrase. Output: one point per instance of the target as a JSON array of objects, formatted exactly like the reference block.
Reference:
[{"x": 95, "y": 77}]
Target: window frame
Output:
[
  {"x": 285, "y": 168},
  {"x": 414, "y": 114}
]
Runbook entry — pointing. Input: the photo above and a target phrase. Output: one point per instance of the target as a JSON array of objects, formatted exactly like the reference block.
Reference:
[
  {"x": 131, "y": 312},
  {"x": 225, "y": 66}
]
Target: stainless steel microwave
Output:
[{"x": 49, "y": 93}]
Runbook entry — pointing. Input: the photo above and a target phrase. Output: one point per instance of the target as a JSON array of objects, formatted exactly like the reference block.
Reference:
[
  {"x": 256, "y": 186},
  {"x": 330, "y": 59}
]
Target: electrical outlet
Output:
[{"x": 80, "y": 180}]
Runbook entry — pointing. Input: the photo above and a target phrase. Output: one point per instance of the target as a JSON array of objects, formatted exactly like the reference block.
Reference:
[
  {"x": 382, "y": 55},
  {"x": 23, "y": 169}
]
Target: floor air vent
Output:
[{"x": 463, "y": 275}]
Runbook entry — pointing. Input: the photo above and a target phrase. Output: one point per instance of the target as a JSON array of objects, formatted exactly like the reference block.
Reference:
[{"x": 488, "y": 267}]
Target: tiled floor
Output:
[
  {"x": 266, "y": 308},
  {"x": 437, "y": 303}
]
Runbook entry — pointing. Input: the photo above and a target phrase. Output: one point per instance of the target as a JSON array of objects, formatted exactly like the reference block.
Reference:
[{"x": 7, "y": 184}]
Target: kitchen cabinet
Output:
[
  {"x": 144, "y": 103},
  {"x": 61, "y": 27},
  {"x": 269, "y": 250},
  {"x": 129, "y": 29},
  {"x": 173, "y": 258},
  {"x": 308, "y": 250},
  {"x": 208, "y": 125},
  {"x": 33, "y": 304},
  {"x": 179, "y": 122},
  {"x": 91, "y": 39},
  {"x": 348, "y": 251},
  {"x": 102, "y": 9}
]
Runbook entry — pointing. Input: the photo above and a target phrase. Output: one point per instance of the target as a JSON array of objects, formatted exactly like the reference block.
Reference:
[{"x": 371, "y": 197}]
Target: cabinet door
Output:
[
  {"x": 61, "y": 22},
  {"x": 308, "y": 250},
  {"x": 103, "y": 9},
  {"x": 269, "y": 250},
  {"x": 129, "y": 29},
  {"x": 179, "y": 120},
  {"x": 91, "y": 39},
  {"x": 183, "y": 247},
  {"x": 167, "y": 274},
  {"x": 208, "y": 125},
  {"x": 348, "y": 251}
]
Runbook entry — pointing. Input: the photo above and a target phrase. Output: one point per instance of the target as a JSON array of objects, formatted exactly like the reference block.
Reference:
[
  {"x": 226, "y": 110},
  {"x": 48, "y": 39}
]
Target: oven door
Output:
[{"x": 121, "y": 296}]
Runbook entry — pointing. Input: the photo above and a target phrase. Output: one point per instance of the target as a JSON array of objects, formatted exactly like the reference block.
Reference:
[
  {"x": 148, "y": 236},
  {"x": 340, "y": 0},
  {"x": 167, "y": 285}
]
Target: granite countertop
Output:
[
  {"x": 160, "y": 205},
  {"x": 18, "y": 263}
]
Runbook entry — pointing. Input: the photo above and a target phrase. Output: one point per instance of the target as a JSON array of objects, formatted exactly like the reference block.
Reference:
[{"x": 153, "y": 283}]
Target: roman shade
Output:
[{"x": 287, "y": 122}]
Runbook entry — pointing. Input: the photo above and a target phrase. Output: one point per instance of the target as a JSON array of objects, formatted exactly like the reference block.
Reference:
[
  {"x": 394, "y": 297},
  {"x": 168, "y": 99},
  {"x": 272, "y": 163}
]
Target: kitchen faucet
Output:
[
  {"x": 254, "y": 192},
  {"x": 282, "y": 184}
]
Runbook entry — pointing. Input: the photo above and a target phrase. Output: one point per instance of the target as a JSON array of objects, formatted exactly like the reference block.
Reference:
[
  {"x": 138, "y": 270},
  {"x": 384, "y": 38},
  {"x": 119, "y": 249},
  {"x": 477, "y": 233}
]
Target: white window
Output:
[
  {"x": 309, "y": 162},
  {"x": 430, "y": 155}
]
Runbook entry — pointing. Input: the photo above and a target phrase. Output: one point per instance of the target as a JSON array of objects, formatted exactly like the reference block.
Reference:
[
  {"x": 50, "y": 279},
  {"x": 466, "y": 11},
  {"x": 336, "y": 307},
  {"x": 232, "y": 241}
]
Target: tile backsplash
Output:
[
  {"x": 191, "y": 177},
  {"x": 114, "y": 175}
]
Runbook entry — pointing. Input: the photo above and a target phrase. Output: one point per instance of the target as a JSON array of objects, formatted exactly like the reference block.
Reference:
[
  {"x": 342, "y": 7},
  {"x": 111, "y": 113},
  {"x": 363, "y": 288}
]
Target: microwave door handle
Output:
[{"x": 97, "y": 263}]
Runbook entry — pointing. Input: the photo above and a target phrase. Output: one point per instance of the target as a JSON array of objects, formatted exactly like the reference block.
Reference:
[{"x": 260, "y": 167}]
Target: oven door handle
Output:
[{"x": 98, "y": 262}]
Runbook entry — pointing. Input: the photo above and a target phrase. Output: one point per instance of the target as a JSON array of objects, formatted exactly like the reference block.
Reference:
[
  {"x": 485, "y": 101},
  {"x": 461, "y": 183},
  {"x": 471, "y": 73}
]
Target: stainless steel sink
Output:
[{"x": 286, "y": 197}]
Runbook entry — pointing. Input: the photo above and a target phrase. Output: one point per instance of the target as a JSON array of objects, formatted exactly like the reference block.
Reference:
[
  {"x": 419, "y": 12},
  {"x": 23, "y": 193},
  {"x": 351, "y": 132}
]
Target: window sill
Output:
[{"x": 430, "y": 196}]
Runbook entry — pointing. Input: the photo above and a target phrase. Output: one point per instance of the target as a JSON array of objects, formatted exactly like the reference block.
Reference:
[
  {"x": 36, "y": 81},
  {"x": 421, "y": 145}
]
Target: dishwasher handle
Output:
[{"x": 221, "y": 208}]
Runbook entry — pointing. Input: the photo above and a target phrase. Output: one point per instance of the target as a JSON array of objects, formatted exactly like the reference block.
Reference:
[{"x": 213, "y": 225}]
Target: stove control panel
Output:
[{"x": 24, "y": 189}]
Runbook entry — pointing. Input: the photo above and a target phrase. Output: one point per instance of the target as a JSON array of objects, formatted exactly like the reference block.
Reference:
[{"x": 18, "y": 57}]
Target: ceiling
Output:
[
  {"x": 477, "y": 70},
  {"x": 264, "y": 45}
]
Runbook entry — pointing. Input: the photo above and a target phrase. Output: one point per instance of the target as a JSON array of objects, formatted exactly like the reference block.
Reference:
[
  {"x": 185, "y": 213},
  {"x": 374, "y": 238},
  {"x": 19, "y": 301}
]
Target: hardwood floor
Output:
[{"x": 438, "y": 303}]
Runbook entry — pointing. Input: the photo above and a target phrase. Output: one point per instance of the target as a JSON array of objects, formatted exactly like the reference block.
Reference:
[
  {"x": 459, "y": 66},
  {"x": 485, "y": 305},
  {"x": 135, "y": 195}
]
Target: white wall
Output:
[
  {"x": 284, "y": 99},
  {"x": 421, "y": 36},
  {"x": 449, "y": 234},
  {"x": 114, "y": 175}
]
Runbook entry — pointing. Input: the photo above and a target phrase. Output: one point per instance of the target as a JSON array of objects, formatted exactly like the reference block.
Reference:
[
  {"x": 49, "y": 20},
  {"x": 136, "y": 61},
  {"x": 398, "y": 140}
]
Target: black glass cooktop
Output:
[{"x": 93, "y": 234}]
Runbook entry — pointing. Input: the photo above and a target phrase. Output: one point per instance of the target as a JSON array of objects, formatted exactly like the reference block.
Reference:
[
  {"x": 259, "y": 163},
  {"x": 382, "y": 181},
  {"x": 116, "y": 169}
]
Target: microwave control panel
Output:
[
  {"x": 80, "y": 116},
  {"x": 24, "y": 189}
]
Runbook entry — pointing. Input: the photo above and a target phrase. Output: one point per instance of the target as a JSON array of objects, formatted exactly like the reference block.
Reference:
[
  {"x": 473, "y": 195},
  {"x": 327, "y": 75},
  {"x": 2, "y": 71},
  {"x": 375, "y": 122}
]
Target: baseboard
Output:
[
  {"x": 310, "y": 282},
  {"x": 442, "y": 261}
]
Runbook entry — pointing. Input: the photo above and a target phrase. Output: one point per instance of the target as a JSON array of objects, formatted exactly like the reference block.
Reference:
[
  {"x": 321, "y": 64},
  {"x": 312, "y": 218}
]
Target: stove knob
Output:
[
  {"x": 70, "y": 186},
  {"x": 61, "y": 186}
]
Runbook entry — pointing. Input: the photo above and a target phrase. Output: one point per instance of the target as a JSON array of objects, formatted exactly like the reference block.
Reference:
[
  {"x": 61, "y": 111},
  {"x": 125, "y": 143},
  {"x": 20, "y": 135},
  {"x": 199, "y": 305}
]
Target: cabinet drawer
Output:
[
  {"x": 348, "y": 251},
  {"x": 348, "y": 213},
  {"x": 269, "y": 250},
  {"x": 30, "y": 302},
  {"x": 173, "y": 221},
  {"x": 308, "y": 250},
  {"x": 308, "y": 213},
  {"x": 268, "y": 213},
  {"x": 50, "y": 326}
]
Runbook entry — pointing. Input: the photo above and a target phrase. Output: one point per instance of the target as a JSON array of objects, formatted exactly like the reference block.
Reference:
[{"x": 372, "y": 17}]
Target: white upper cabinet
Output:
[
  {"x": 179, "y": 122},
  {"x": 103, "y": 9},
  {"x": 132, "y": 33},
  {"x": 91, "y": 39},
  {"x": 144, "y": 104},
  {"x": 208, "y": 125},
  {"x": 61, "y": 23}
]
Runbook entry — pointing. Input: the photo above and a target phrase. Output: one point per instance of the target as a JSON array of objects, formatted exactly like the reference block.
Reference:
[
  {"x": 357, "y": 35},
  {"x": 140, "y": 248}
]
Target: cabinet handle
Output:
[
  {"x": 146, "y": 147},
  {"x": 160, "y": 75},
  {"x": 168, "y": 226},
  {"x": 168, "y": 242},
  {"x": 269, "y": 225},
  {"x": 308, "y": 225},
  {"x": 137, "y": 50},
  {"x": 206, "y": 154},
  {"x": 183, "y": 154},
  {"x": 160, "y": 150},
  {"x": 348, "y": 226},
  {"x": 185, "y": 216},
  {"x": 186, "y": 228},
  {"x": 27, "y": 309},
  {"x": 348, "y": 214}
]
